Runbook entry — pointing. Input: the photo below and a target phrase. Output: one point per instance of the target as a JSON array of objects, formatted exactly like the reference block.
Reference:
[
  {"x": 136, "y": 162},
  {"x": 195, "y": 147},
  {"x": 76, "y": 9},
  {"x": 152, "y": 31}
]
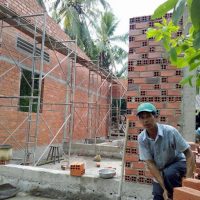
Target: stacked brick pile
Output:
[
  {"x": 189, "y": 191},
  {"x": 150, "y": 79}
]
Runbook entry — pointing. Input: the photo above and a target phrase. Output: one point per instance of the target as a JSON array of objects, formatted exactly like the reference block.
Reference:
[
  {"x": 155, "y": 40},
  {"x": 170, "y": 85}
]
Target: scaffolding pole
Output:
[{"x": 94, "y": 105}]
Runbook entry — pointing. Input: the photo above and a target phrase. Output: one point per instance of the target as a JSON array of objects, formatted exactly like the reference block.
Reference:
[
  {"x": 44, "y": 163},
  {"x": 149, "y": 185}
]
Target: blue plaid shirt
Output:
[{"x": 168, "y": 147}]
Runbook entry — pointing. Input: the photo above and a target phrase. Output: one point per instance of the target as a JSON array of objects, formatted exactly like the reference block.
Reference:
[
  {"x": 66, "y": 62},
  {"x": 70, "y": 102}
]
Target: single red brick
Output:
[
  {"x": 138, "y": 165},
  {"x": 192, "y": 183},
  {"x": 132, "y": 144},
  {"x": 131, "y": 158},
  {"x": 134, "y": 56},
  {"x": 135, "y": 44},
  {"x": 159, "y": 105},
  {"x": 167, "y": 112},
  {"x": 132, "y": 105},
  {"x": 132, "y": 93},
  {"x": 129, "y": 171},
  {"x": 153, "y": 93},
  {"x": 167, "y": 86},
  {"x": 185, "y": 193},
  {"x": 142, "y": 25},
  {"x": 134, "y": 74},
  {"x": 147, "y": 86},
  {"x": 132, "y": 117},
  {"x": 139, "y": 80},
  {"x": 168, "y": 73},
  {"x": 142, "y": 50},
  {"x": 174, "y": 79},
  {"x": 146, "y": 74},
  {"x": 175, "y": 92},
  {"x": 174, "y": 105},
  {"x": 155, "y": 55},
  {"x": 134, "y": 32},
  {"x": 140, "y": 69},
  {"x": 153, "y": 67}
]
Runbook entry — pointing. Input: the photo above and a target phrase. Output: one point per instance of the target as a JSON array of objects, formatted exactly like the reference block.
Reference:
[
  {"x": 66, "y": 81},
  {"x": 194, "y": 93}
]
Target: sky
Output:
[{"x": 125, "y": 9}]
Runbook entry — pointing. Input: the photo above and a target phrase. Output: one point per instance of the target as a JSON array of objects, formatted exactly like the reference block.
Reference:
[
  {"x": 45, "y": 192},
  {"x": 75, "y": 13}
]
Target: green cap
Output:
[{"x": 146, "y": 107}]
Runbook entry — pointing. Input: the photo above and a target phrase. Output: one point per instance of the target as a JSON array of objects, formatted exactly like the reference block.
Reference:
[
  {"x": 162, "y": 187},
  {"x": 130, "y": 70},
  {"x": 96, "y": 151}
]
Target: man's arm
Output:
[
  {"x": 190, "y": 161},
  {"x": 157, "y": 175},
  {"x": 155, "y": 172}
]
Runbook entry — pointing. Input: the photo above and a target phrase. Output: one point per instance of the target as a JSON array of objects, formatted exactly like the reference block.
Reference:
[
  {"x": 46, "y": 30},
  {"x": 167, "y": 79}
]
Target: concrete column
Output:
[
  {"x": 188, "y": 111},
  {"x": 188, "y": 120}
]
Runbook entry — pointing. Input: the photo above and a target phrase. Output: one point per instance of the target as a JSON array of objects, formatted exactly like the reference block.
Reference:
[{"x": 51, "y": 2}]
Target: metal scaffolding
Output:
[{"x": 34, "y": 28}]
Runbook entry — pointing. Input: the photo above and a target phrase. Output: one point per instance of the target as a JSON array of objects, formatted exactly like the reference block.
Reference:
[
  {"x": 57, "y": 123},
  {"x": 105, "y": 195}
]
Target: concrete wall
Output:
[
  {"x": 92, "y": 150},
  {"x": 29, "y": 178}
]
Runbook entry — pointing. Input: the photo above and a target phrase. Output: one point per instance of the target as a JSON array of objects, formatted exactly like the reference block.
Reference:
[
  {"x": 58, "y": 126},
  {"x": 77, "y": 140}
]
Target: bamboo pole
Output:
[{"x": 123, "y": 159}]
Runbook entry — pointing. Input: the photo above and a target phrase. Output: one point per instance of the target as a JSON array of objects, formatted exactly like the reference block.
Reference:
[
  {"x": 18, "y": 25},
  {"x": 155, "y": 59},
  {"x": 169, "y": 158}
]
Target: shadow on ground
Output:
[{"x": 55, "y": 194}]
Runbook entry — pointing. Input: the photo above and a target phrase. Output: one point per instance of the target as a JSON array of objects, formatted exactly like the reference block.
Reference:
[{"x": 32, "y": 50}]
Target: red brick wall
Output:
[
  {"x": 150, "y": 79},
  {"x": 52, "y": 116},
  {"x": 119, "y": 90}
]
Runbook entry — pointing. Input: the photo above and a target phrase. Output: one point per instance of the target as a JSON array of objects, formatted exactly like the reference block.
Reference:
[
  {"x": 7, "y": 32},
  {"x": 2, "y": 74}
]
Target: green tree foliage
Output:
[
  {"x": 94, "y": 27},
  {"x": 183, "y": 51},
  {"x": 78, "y": 18},
  {"x": 106, "y": 41}
]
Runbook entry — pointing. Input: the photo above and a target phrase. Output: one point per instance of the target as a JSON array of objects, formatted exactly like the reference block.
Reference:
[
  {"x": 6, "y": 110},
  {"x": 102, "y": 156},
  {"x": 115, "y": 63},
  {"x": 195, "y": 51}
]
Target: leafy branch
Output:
[{"x": 184, "y": 50}]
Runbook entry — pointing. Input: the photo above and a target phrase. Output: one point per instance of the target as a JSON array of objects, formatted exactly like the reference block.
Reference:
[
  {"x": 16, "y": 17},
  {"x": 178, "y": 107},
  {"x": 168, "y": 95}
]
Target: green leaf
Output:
[
  {"x": 178, "y": 11},
  {"x": 189, "y": 3},
  {"x": 196, "y": 42},
  {"x": 166, "y": 43},
  {"x": 164, "y": 8},
  {"x": 194, "y": 66},
  {"x": 195, "y": 14},
  {"x": 194, "y": 59},
  {"x": 186, "y": 80},
  {"x": 151, "y": 32},
  {"x": 173, "y": 55},
  {"x": 184, "y": 47},
  {"x": 158, "y": 25},
  {"x": 181, "y": 63},
  {"x": 198, "y": 81}
]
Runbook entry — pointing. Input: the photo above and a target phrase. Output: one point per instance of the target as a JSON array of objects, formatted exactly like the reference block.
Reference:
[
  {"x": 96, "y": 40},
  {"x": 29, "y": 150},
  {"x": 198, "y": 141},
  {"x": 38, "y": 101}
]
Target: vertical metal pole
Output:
[
  {"x": 40, "y": 83},
  {"x": 111, "y": 107},
  {"x": 89, "y": 109},
  {"x": 67, "y": 98},
  {"x": 72, "y": 101},
  {"x": 123, "y": 160},
  {"x": 28, "y": 135},
  {"x": 96, "y": 110}
]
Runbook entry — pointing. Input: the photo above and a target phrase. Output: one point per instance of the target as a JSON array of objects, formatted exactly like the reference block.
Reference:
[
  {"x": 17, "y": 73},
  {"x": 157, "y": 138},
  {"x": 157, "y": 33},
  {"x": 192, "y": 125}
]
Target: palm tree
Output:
[
  {"x": 78, "y": 17},
  {"x": 109, "y": 51}
]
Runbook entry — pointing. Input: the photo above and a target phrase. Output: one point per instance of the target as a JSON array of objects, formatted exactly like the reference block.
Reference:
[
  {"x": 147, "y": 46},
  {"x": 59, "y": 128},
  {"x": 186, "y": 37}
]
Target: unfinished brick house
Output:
[
  {"x": 48, "y": 92},
  {"x": 151, "y": 78}
]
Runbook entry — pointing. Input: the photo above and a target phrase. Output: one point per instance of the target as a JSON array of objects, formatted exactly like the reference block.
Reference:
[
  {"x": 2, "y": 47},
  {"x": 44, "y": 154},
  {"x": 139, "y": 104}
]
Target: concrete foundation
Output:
[{"x": 35, "y": 178}]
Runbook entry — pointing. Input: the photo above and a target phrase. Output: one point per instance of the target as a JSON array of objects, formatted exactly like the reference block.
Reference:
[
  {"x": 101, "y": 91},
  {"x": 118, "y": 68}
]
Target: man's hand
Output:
[
  {"x": 190, "y": 160},
  {"x": 165, "y": 195}
]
